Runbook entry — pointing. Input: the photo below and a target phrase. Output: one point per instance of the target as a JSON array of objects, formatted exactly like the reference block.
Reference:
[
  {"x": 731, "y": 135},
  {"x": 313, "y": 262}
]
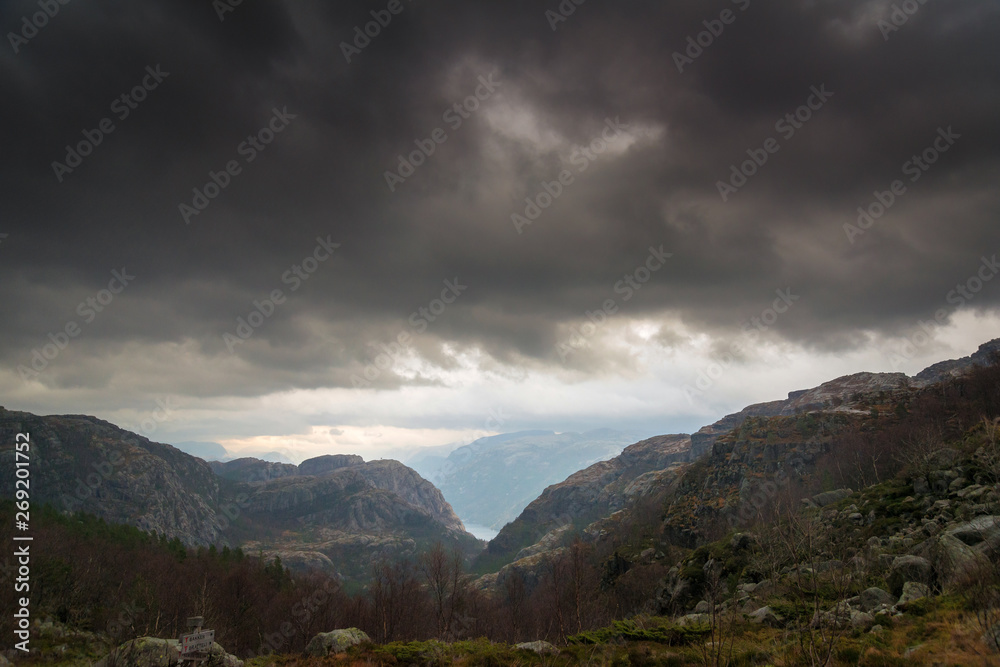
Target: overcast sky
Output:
[{"x": 509, "y": 168}]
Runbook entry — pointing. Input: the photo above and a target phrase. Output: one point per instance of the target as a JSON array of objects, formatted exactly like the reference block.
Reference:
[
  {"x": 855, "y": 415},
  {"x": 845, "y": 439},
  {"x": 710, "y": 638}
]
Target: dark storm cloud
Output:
[{"x": 323, "y": 176}]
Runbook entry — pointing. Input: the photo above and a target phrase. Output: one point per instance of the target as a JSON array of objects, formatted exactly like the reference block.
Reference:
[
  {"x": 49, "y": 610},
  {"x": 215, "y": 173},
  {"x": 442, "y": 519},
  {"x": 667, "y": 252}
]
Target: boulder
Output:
[
  {"x": 983, "y": 530},
  {"x": 143, "y": 652},
  {"x": 908, "y": 568},
  {"x": 694, "y": 619},
  {"x": 920, "y": 486},
  {"x": 337, "y": 641},
  {"x": 741, "y": 541},
  {"x": 950, "y": 557},
  {"x": 912, "y": 591},
  {"x": 702, "y": 607},
  {"x": 831, "y": 497},
  {"x": 539, "y": 647},
  {"x": 766, "y": 616},
  {"x": 861, "y": 620},
  {"x": 155, "y": 652},
  {"x": 220, "y": 658},
  {"x": 873, "y": 597}
]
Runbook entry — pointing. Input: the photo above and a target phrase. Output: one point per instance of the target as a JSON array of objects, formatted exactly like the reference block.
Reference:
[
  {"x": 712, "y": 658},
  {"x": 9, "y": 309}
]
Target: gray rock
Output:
[
  {"x": 856, "y": 518},
  {"x": 766, "y": 616},
  {"x": 155, "y": 652},
  {"x": 337, "y": 641},
  {"x": 974, "y": 492},
  {"x": 143, "y": 652},
  {"x": 694, "y": 619},
  {"x": 920, "y": 486},
  {"x": 220, "y": 657},
  {"x": 741, "y": 541},
  {"x": 912, "y": 590},
  {"x": 539, "y": 647},
  {"x": 702, "y": 607},
  {"x": 873, "y": 597},
  {"x": 908, "y": 568},
  {"x": 983, "y": 529},
  {"x": 950, "y": 557},
  {"x": 861, "y": 620},
  {"x": 957, "y": 484},
  {"x": 830, "y": 497},
  {"x": 877, "y": 630}
]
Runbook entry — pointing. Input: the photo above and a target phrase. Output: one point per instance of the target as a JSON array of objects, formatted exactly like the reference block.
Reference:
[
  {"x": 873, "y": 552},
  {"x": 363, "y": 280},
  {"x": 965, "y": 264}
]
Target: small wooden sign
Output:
[{"x": 198, "y": 641}]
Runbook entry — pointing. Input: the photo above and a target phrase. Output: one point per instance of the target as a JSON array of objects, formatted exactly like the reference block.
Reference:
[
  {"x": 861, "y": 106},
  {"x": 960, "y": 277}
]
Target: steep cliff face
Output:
[
  {"x": 405, "y": 483},
  {"x": 373, "y": 497},
  {"x": 325, "y": 481},
  {"x": 84, "y": 464}
]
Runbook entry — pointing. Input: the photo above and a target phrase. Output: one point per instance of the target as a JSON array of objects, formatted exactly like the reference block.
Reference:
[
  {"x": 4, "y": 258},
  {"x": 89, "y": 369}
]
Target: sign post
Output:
[{"x": 195, "y": 644}]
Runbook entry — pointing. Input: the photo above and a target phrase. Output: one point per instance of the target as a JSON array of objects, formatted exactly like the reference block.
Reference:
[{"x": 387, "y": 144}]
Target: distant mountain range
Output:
[
  {"x": 333, "y": 512},
  {"x": 340, "y": 513},
  {"x": 491, "y": 480}
]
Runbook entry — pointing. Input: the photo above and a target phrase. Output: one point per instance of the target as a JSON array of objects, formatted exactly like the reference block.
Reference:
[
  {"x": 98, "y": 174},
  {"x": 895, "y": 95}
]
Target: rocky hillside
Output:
[
  {"x": 589, "y": 495},
  {"x": 332, "y": 512},
  {"x": 491, "y": 480},
  {"x": 85, "y": 464},
  {"x": 730, "y": 466}
]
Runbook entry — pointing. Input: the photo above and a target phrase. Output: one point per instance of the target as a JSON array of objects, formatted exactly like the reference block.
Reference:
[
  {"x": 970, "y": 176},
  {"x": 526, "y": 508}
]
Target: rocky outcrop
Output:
[
  {"x": 404, "y": 482},
  {"x": 250, "y": 470},
  {"x": 321, "y": 465},
  {"x": 539, "y": 647},
  {"x": 155, "y": 652},
  {"x": 337, "y": 641},
  {"x": 840, "y": 395},
  {"x": 948, "y": 369}
]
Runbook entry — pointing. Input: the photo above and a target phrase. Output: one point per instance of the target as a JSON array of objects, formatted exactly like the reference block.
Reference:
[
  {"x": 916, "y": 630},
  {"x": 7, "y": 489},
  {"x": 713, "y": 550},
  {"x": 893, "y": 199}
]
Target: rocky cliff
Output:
[{"x": 81, "y": 463}]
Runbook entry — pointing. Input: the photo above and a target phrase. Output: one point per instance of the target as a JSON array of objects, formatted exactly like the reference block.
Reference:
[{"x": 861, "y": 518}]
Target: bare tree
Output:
[
  {"x": 443, "y": 575},
  {"x": 989, "y": 455},
  {"x": 722, "y": 622},
  {"x": 803, "y": 540},
  {"x": 514, "y": 599}
]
